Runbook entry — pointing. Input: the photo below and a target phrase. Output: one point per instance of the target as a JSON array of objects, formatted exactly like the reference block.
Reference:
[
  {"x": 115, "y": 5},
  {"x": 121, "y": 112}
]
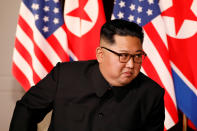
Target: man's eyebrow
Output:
[
  {"x": 126, "y": 51},
  {"x": 139, "y": 51}
]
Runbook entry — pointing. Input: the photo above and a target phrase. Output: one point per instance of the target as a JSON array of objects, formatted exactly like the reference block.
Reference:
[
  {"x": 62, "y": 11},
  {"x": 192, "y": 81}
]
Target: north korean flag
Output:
[
  {"x": 83, "y": 20},
  {"x": 181, "y": 28}
]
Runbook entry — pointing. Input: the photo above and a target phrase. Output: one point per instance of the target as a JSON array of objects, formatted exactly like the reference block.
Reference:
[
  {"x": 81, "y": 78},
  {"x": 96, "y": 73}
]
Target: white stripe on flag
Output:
[
  {"x": 159, "y": 26},
  {"x": 165, "y": 4},
  {"x": 193, "y": 7},
  {"x": 23, "y": 66},
  {"x": 160, "y": 67},
  {"x": 38, "y": 37},
  {"x": 180, "y": 74},
  {"x": 168, "y": 120},
  {"x": 143, "y": 71},
  {"x": 61, "y": 36},
  {"x": 27, "y": 43}
]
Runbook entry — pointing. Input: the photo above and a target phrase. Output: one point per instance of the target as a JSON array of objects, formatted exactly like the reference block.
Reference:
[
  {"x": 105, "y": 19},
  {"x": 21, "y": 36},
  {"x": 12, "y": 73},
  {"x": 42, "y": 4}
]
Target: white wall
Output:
[{"x": 10, "y": 90}]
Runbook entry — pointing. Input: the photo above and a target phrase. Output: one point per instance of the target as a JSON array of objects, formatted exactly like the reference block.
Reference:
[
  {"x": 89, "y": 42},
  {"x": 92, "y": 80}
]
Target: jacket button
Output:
[{"x": 100, "y": 114}]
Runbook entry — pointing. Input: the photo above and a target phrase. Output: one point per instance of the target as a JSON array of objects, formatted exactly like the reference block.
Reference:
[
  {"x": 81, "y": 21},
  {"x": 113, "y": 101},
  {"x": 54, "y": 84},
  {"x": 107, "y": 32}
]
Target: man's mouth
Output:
[{"x": 128, "y": 73}]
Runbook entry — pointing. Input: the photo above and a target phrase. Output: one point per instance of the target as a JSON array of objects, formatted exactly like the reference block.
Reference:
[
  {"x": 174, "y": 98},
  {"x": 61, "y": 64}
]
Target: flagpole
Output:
[{"x": 184, "y": 122}]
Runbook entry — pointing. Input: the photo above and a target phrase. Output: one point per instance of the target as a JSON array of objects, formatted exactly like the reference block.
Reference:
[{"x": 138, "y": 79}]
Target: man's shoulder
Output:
[
  {"x": 148, "y": 90},
  {"x": 78, "y": 64},
  {"x": 75, "y": 67},
  {"x": 149, "y": 84}
]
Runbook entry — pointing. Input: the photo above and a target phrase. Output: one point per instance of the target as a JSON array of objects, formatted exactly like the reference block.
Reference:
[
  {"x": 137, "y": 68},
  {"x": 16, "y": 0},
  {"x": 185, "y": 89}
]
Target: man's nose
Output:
[{"x": 130, "y": 63}]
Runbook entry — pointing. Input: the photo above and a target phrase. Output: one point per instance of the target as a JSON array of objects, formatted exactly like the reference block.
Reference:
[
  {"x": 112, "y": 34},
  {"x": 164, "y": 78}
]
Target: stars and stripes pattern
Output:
[
  {"x": 146, "y": 13},
  {"x": 41, "y": 41}
]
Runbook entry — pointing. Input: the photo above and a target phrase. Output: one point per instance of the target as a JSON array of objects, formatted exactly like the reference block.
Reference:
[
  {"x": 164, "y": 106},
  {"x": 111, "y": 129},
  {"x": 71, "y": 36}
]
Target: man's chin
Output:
[{"x": 125, "y": 82}]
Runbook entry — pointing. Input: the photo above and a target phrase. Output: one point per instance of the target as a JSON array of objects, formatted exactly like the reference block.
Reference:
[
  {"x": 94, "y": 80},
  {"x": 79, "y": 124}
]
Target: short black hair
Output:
[{"x": 122, "y": 28}]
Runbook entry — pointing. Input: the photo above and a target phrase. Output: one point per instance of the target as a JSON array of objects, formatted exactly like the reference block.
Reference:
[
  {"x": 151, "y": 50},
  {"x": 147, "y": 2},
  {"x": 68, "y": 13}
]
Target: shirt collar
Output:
[
  {"x": 101, "y": 86},
  {"x": 121, "y": 92}
]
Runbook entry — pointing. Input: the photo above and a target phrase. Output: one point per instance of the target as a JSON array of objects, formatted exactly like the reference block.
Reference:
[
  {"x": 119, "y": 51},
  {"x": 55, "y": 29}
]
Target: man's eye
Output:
[
  {"x": 138, "y": 55},
  {"x": 124, "y": 55}
]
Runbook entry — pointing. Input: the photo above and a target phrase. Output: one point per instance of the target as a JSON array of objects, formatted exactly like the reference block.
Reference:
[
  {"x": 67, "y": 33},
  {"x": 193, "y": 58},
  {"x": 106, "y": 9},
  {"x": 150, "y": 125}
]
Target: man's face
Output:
[{"x": 114, "y": 71}]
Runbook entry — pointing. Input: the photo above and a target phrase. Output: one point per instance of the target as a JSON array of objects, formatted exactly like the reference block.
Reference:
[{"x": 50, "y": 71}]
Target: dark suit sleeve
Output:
[
  {"x": 156, "y": 117},
  {"x": 36, "y": 103}
]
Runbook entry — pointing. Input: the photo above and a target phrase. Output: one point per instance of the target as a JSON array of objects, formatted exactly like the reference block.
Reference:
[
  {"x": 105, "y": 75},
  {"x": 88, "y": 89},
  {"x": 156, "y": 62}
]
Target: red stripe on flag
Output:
[
  {"x": 52, "y": 40},
  {"x": 38, "y": 52},
  {"x": 162, "y": 50},
  {"x": 191, "y": 125},
  {"x": 64, "y": 27},
  {"x": 150, "y": 70},
  {"x": 20, "y": 77},
  {"x": 169, "y": 104},
  {"x": 158, "y": 43},
  {"x": 25, "y": 54}
]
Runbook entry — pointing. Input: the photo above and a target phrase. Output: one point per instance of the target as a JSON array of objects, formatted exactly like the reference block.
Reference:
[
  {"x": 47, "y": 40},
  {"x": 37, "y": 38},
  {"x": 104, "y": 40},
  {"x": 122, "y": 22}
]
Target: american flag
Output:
[
  {"x": 44, "y": 36},
  {"x": 147, "y": 14},
  {"x": 41, "y": 41}
]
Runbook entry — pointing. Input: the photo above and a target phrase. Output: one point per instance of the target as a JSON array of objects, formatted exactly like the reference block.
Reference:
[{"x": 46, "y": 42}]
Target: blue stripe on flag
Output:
[
  {"x": 186, "y": 99},
  {"x": 70, "y": 58}
]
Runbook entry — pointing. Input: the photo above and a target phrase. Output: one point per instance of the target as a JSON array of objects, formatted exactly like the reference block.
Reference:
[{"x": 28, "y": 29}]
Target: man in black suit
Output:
[{"x": 107, "y": 94}]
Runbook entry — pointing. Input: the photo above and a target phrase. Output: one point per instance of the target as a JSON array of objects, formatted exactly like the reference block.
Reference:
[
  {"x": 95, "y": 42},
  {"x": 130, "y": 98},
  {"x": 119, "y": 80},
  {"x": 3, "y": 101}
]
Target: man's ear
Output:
[{"x": 99, "y": 54}]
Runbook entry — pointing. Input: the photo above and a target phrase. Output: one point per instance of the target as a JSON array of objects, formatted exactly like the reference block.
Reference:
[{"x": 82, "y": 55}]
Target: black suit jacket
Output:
[{"x": 82, "y": 100}]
